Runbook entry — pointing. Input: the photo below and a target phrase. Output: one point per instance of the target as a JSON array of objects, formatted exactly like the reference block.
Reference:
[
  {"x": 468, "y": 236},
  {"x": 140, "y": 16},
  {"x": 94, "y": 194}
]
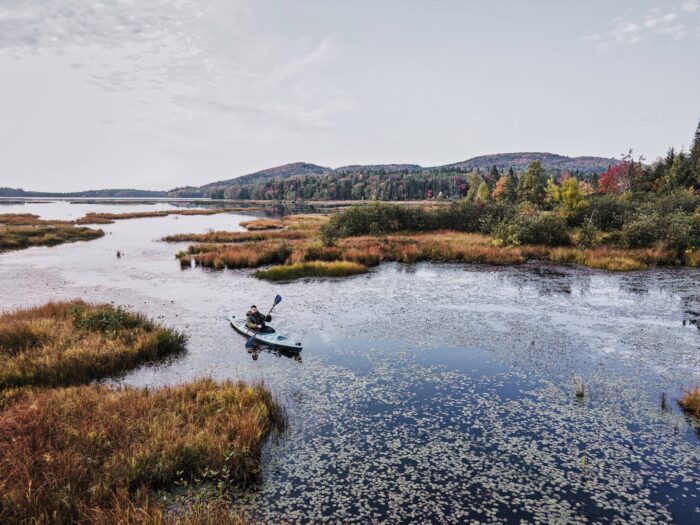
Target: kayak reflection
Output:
[{"x": 279, "y": 352}]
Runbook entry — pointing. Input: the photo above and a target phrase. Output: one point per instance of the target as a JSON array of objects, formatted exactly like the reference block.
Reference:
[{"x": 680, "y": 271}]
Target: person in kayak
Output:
[{"x": 255, "y": 321}]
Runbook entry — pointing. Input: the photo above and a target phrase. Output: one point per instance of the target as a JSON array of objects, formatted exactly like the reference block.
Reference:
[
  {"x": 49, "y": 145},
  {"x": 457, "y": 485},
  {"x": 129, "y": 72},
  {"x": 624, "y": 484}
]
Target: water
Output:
[{"x": 425, "y": 393}]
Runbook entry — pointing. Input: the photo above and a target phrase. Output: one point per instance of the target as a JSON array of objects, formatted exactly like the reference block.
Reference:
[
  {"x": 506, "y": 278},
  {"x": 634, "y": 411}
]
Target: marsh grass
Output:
[
  {"x": 263, "y": 224},
  {"x": 109, "y": 218},
  {"x": 289, "y": 272},
  {"x": 69, "y": 343},
  {"x": 690, "y": 402},
  {"x": 18, "y": 231},
  {"x": 93, "y": 454}
]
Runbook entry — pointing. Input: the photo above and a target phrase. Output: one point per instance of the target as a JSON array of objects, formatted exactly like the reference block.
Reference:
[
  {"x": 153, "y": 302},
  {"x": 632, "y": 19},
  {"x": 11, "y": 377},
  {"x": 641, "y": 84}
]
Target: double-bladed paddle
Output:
[{"x": 251, "y": 341}]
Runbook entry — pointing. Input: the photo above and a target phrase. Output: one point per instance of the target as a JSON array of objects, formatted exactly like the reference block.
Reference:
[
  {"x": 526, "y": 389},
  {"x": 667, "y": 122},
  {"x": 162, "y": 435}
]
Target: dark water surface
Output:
[{"x": 425, "y": 393}]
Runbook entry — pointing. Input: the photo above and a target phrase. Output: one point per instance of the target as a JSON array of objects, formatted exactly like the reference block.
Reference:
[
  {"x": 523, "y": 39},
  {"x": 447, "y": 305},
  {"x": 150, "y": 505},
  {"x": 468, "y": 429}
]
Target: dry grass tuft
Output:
[
  {"x": 93, "y": 454},
  {"x": 70, "y": 343},
  {"x": 690, "y": 402}
]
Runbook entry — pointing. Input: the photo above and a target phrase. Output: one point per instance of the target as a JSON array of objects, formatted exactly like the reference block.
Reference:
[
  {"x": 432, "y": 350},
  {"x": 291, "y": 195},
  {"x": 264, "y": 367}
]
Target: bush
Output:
[
  {"x": 541, "y": 228},
  {"x": 643, "y": 231},
  {"x": 608, "y": 212}
]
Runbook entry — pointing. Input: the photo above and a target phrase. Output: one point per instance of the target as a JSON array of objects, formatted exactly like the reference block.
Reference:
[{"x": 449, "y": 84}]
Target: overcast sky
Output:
[{"x": 156, "y": 94}]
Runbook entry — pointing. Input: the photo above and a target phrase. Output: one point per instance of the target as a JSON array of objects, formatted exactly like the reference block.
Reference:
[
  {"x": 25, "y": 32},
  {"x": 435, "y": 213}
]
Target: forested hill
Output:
[
  {"x": 385, "y": 181},
  {"x": 104, "y": 194}
]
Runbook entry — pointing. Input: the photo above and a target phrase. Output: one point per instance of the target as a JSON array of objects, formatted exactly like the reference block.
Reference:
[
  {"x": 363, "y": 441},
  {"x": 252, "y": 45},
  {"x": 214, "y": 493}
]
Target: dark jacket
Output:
[{"x": 253, "y": 320}]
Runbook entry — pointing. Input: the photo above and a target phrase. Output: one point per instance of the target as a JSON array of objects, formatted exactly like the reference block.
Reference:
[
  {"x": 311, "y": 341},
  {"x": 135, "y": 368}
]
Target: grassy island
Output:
[{"x": 24, "y": 230}]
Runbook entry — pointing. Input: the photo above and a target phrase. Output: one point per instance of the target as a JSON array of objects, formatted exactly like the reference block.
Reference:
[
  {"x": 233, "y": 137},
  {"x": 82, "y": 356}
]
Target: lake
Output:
[{"x": 424, "y": 393}]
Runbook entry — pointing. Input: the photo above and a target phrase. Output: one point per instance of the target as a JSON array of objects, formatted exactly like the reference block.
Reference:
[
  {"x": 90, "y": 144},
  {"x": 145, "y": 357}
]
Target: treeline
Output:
[
  {"x": 675, "y": 170},
  {"x": 632, "y": 205},
  {"x": 370, "y": 184}
]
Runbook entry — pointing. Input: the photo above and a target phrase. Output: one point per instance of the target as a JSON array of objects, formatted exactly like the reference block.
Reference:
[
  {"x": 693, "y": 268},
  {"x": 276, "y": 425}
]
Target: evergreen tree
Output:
[
  {"x": 532, "y": 184},
  {"x": 695, "y": 158}
]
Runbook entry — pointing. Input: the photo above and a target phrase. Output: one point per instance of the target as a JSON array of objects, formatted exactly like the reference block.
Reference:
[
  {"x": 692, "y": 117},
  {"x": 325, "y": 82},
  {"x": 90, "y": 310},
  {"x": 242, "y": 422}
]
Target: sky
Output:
[{"x": 154, "y": 94}]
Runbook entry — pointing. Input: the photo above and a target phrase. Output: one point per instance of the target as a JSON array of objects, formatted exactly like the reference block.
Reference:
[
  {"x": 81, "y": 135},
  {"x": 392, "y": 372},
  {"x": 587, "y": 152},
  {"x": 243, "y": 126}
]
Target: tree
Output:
[
  {"x": 532, "y": 184},
  {"x": 499, "y": 191},
  {"x": 483, "y": 194},
  {"x": 572, "y": 198},
  {"x": 474, "y": 180},
  {"x": 612, "y": 181},
  {"x": 695, "y": 158}
]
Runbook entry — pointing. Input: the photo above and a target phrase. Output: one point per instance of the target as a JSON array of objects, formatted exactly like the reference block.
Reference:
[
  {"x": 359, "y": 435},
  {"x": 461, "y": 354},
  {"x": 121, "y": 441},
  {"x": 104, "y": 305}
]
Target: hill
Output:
[{"x": 258, "y": 185}]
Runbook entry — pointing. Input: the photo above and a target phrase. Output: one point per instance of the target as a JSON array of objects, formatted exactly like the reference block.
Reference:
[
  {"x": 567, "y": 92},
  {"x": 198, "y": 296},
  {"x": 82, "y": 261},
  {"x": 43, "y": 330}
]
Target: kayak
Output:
[{"x": 276, "y": 340}]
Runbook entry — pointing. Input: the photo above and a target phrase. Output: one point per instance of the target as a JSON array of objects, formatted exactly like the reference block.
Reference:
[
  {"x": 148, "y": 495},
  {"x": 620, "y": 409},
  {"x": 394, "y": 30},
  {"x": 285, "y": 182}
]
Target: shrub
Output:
[
  {"x": 541, "y": 228},
  {"x": 608, "y": 212},
  {"x": 642, "y": 232}
]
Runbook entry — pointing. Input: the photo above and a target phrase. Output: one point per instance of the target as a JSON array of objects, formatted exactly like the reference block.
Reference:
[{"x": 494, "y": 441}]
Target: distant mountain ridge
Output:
[
  {"x": 105, "y": 194},
  {"x": 587, "y": 165}
]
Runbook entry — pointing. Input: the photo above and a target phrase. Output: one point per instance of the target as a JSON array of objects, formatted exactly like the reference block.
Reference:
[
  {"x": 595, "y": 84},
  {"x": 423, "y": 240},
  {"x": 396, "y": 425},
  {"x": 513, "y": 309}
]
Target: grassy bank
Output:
[
  {"x": 343, "y": 238},
  {"x": 18, "y": 231},
  {"x": 70, "y": 343},
  {"x": 95, "y": 454}
]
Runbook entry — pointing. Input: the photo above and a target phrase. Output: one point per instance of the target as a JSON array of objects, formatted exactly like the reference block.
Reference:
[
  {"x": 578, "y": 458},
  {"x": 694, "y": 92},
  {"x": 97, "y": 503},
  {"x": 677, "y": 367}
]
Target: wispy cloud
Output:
[
  {"x": 673, "y": 23},
  {"x": 179, "y": 50}
]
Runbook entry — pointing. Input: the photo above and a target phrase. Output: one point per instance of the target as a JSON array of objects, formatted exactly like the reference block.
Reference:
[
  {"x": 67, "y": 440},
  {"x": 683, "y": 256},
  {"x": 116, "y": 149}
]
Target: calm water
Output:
[{"x": 425, "y": 393}]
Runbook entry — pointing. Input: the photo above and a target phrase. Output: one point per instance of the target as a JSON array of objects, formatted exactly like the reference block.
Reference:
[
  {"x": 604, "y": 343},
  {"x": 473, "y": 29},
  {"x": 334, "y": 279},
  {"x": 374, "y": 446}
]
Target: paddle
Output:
[{"x": 251, "y": 342}]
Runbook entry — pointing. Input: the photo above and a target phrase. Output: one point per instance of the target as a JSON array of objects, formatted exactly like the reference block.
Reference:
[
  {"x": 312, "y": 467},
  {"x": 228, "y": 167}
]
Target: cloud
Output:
[
  {"x": 656, "y": 23},
  {"x": 205, "y": 56}
]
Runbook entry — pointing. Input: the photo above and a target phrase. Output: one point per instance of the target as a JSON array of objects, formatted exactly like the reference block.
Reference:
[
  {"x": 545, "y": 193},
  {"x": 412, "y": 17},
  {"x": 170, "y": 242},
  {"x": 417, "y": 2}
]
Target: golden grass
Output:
[
  {"x": 70, "y": 343},
  {"x": 288, "y": 272},
  {"x": 93, "y": 454},
  {"x": 690, "y": 401}
]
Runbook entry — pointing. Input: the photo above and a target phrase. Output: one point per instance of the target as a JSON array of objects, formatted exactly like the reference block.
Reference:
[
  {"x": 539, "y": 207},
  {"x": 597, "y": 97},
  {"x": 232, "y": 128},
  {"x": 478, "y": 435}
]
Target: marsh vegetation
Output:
[
  {"x": 101, "y": 454},
  {"x": 18, "y": 231}
]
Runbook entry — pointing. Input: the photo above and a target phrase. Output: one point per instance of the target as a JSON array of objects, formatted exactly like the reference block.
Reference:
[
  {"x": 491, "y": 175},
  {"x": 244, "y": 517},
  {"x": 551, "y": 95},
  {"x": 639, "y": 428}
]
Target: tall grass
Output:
[
  {"x": 288, "y": 272},
  {"x": 95, "y": 454},
  {"x": 70, "y": 343},
  {"x": 18, "y": 231}
]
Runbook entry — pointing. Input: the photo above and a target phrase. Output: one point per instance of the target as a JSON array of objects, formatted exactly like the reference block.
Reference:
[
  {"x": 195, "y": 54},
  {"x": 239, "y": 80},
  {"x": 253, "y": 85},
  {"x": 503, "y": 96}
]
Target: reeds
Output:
[
  {"x": 70, "y": 343},
  {"x": 94, "y": 454},
  {"x": 311, "y": 269}
]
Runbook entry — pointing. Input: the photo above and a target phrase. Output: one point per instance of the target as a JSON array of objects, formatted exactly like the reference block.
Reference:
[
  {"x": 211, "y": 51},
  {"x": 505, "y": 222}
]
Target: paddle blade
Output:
[
  {"x": 278, "y": 299},
  {"x": 250, "y": 343}
]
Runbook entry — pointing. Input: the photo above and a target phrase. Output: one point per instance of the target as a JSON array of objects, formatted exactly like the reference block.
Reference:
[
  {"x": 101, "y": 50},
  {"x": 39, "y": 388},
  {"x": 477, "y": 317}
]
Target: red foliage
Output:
[{"x": 615, "y": 179}]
